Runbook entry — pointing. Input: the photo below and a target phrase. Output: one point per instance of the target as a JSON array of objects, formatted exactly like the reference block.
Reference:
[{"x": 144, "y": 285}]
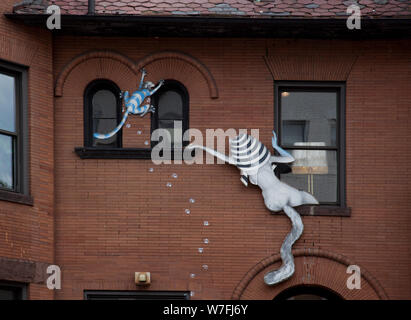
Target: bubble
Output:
[
  {"x": 139, "y": 132},
  {"x": 146, "y": 143},
  {"x": 169, "y": 184},
  {"x": 174, "y": 175},
  {"x": 205, "y": 267},
  {"x": 187, "y": 211},
  {"x": 191, "y": 200},
  {"x": 192, "y": 275},
  {"x": 151, "y": 170},
  {"x": 206, "y": 223},
  {"x": 206, "y": 241},
  {"x": 128, "y": 125},
  {"x": 200, "y": 250}
]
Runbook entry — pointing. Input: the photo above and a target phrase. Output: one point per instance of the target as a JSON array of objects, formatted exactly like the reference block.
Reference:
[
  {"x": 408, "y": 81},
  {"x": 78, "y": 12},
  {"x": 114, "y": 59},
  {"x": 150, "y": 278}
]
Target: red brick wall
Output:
[
  {"x": 26, "y": 232},
  {"x": 114, "y": 217}
]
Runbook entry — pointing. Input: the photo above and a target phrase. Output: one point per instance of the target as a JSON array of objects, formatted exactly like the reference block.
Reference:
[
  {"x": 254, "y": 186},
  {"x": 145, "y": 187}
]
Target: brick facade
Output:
[
  {"x": 102, "y": 220},
  {"x": 27, "y": 232},
  {"x": 114, "y": 217}
]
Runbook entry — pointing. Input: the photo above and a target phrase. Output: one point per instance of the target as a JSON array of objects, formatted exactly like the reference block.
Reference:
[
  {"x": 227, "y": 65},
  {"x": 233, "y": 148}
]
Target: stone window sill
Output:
[
  {"x": 113, "y": 153},
  {"x": 16, "y": 197},
  {"x": 117, "y": 153},
  {"x": 323, "y": 210}
]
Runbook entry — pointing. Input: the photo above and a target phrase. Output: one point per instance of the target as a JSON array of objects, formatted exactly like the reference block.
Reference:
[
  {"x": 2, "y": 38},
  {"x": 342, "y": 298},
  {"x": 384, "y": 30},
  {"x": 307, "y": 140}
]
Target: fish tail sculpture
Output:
[
  {"x": 133, "y": 104},
  {"x": 287, "y": 268},
  {"x": 256, "y": 165}
]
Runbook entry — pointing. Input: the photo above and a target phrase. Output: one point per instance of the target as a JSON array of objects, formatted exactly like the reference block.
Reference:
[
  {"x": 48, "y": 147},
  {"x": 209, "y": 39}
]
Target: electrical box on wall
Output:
[{"x": 142, "y": 278}]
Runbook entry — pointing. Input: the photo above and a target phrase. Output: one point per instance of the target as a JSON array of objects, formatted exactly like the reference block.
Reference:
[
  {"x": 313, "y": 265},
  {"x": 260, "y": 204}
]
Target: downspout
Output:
[{"x": 91, "y": 7}]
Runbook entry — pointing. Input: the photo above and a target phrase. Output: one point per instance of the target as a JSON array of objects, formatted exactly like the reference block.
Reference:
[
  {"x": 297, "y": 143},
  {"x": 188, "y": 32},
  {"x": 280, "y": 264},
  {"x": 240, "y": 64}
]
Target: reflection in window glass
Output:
[
  {"x": 171, "y": 101},
  {"x": 313, "y": 108},
  {"x": 294, "y": 130},
  {"x": 309, "y": 128},
  {"x": 7, "y": 103},
  {"x": 103, "y": 100},
  {"x": 170, "y": 105},
  {"x": 314, "y": 171},
  {"x": 104, "y": 105},
  {"x": 6, "y": 162}
]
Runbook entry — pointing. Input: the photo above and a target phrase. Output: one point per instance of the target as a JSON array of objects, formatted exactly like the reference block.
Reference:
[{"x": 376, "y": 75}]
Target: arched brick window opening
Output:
[
  {"x": 172, "y": 110},
  {"x": 307, "y": 292},
  {"x": 102, "y": 113}
]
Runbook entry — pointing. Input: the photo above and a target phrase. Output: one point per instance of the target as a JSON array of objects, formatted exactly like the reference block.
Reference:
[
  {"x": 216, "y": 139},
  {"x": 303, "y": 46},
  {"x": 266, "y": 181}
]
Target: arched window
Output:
[
  {"x": 102, "y": 113},
  {"x": 172, "y": 108},
  {"x": 308, "y": 293}
]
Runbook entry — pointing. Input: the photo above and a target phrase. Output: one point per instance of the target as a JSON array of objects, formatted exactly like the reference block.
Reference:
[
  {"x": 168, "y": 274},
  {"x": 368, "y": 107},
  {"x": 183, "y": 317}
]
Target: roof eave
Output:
[{"x": 220, "y": 26}]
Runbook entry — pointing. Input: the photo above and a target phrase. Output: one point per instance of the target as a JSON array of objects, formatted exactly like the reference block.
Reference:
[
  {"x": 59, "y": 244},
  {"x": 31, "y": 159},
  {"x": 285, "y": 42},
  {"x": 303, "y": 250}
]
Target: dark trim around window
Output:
[
  {"x": 135, "y": 295},
  {"x": 20, "y": 192},
  {"x": 338, "y": 209}
]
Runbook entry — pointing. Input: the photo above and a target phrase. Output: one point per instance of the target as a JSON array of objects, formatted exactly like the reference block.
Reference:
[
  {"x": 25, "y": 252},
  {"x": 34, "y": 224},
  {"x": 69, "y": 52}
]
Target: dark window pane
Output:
[
  {"x": 104, "y": 126},
  {"x": 10, "y": 293},
  {"x": 314, "y": 171},
  {"x": 170, "y": 105},
  {"x": 7, "y": 103},
  {"x": 6, "y": 294},
  {"x": 6, "y": 162},
  {"x": 316, "y": 109},
  {"x": 294, "y": 131},
  {"x": 174, "y": 127},
  {"x": 104, "y": 104}
]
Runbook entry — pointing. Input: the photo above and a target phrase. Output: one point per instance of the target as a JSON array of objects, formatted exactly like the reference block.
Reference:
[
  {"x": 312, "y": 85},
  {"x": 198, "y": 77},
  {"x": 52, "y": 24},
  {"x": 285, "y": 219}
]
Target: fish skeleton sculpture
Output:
[
  {"x": 133, "y": 104},
  {"x": 257, "y": 166}
]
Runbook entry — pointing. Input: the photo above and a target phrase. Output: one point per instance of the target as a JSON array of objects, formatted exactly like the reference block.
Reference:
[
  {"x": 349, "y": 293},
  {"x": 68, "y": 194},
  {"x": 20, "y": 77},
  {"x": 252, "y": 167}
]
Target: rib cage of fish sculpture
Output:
[{"x": 256, "y": 165}]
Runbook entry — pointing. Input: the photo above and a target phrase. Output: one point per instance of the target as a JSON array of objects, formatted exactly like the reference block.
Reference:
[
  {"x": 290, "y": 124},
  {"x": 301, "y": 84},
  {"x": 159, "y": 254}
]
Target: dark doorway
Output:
[{"x": 308, "y": 293}]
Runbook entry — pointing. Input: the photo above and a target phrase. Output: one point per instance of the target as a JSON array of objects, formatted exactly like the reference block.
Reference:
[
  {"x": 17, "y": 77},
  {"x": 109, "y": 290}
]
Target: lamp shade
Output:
[{"x": 309, "y": 161}]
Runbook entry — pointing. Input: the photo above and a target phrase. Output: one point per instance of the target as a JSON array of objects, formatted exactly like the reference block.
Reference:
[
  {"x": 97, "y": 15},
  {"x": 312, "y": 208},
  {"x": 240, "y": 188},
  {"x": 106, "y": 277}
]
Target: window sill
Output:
[
  {"x": 324, "y": 210},
  {"x": 120, "y": 153},
  {"x": 113, "y": 153},
  {"x": 16, "y": 197}
]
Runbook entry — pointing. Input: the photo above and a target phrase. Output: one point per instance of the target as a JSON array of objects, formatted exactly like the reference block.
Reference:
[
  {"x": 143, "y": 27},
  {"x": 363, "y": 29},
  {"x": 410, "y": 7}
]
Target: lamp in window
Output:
[{"x": 310, "y": 162}]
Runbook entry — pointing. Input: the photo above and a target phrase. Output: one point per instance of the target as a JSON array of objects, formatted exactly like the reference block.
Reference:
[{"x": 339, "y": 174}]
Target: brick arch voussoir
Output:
[
  {"x": 76, "y": 61},
  {"x": 199, "y": 66},
  {"x": 266, "y": 265}
]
